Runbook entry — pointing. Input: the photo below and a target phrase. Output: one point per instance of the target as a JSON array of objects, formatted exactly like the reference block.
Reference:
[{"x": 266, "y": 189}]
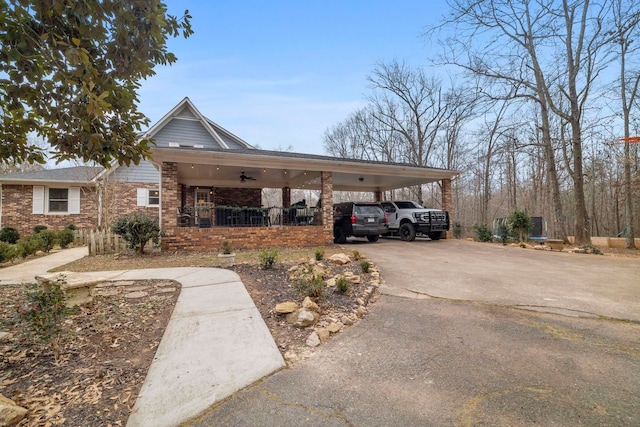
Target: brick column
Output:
[
  {"x": 169, "y": 196},
  {"x": 377, "y": 195},
  {"x": 326, "y": 179},
  {"x": 447, "y": 204},
  {"x": 286, "y": 197}
]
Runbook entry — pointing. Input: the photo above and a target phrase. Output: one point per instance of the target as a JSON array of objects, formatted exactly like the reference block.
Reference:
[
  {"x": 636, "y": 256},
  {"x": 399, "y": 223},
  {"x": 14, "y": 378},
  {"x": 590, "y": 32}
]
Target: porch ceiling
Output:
[{"x": 279, "y": 169}]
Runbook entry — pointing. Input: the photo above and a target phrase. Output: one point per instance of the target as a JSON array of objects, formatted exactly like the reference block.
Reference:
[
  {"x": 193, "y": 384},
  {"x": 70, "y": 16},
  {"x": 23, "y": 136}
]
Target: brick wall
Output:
[
  {"x": 209, "y": 239},
  {"x": 447, "y": 205},
  {"x": 118, "y": 199},
  {"x": 17, "y": 208},
  {"x": 170, "y": 197}
]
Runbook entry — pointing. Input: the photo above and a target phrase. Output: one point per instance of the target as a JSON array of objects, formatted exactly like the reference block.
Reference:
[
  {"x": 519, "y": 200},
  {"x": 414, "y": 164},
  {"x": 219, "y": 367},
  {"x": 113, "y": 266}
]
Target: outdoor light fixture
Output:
[
  {"x": 191, "y": 165},
  {"x": 361, "y": 179}
]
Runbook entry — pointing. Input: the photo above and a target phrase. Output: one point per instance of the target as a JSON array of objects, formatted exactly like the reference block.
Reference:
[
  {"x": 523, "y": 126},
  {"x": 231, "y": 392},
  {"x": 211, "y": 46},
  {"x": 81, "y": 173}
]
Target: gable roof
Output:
[
  {"x": 71, "y": 175},
  {"x": 185, "y": 127}
]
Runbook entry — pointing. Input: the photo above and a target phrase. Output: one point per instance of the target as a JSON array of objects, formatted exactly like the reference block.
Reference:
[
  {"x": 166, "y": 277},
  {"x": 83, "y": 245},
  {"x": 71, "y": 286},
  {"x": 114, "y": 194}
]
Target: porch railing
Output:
[{"x": 231, "y": 216}]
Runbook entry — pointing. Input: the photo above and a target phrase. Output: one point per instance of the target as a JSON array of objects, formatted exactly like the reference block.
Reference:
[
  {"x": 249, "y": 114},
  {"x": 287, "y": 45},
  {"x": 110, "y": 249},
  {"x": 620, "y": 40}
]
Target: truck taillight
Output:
[
  {"x": 353, "y": 218},
  {"x": 386, "y": 218}
]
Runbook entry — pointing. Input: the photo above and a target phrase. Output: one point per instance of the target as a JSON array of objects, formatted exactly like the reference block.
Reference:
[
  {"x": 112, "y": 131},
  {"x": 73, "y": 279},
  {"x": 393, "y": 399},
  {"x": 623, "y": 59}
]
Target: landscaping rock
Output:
[
  {"x": 10, "y": 413},
  {"x": 335, "y": 327},
  {"x": 136, "y": 295},
  {"x": 313, "y": 340},
  {"x": 340, "y": 259},
  {"x": 286, "y": 307},
  {"x": 303, "y": 318},
  {"x": 308, "y": 303},
  {"x": 323, "y": 334}
]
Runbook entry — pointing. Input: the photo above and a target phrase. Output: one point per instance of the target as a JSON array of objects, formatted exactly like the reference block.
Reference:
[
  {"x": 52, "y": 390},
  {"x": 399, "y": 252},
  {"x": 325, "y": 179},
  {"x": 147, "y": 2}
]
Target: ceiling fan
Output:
[{"x": 244, "y": 177}]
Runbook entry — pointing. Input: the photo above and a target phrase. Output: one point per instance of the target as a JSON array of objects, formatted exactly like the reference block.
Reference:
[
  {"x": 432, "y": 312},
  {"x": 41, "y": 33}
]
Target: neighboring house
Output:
[{"x": 204, "y": 184}]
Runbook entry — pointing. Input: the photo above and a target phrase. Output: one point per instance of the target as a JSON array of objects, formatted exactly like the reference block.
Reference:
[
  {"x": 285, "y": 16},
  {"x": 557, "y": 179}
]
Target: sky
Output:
[{"x": 278, "y": 74}]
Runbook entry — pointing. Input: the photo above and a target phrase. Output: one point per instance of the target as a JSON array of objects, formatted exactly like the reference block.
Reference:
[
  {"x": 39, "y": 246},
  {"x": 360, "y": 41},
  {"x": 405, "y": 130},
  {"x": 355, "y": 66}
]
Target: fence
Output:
[{"x": 101, "y": 242}]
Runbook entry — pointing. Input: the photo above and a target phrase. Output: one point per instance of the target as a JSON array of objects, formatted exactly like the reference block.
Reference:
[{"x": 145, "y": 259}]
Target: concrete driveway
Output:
[{"x": 471, "y": 356}]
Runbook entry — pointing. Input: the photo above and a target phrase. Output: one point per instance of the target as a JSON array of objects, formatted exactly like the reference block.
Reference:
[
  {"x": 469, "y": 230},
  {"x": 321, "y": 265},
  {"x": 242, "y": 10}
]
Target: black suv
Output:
[{"x": 358, "y": 219}]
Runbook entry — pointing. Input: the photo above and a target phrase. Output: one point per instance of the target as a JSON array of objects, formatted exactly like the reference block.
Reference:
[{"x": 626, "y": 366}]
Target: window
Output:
[
  {"x": 48, "y": 200},
  {"x": 58, "y": 200},
  {"x": 148, "y": 197},
  {"x": 154, "y": 197}
]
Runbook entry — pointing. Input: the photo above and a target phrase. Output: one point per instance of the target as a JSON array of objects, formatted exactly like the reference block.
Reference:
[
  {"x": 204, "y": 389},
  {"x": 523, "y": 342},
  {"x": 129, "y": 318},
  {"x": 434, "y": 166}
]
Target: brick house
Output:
[{"x": 204, "y": 183}]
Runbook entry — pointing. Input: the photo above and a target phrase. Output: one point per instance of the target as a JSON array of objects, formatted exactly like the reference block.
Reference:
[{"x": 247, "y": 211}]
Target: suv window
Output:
[{"x": 367, "y": 209}]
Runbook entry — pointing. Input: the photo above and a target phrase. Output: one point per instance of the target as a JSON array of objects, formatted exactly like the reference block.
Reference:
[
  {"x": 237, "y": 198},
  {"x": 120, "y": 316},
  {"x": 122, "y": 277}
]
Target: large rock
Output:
[
  {"x": 303, "y": 318},
  {"x": 10, "y": 413},
  {"x": 340, "y": 259},
  {"x": 286, "y": 307}
]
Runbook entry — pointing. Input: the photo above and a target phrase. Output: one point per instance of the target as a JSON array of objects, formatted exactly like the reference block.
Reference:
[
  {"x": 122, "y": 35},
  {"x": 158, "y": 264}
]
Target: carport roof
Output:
[{"x": 277, "y": 169}]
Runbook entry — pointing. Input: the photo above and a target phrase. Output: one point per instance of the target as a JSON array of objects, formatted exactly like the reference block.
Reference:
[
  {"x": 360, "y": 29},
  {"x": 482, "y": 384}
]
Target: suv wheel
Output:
[
  {"x": 407, "y": 232},
  {"x": 339, "y": 236},
  {"x": 373, "y": 238}
]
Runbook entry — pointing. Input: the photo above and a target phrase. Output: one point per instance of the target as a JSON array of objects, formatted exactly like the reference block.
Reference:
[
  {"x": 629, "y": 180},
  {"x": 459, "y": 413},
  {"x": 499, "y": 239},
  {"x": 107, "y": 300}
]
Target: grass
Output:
[{"x": 185, "y": 259}]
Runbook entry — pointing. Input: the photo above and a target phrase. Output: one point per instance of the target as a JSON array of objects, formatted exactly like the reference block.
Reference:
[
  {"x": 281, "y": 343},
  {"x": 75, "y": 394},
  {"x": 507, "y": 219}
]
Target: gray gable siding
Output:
[
  {"x": 185, "y": 132},
  {"x": 229, "y": 140},
  {"x": 144, "y": 172}
]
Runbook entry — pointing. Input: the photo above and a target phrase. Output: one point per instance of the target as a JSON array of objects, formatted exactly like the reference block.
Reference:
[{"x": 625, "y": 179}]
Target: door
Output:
[{"x": 392, "y": 214}]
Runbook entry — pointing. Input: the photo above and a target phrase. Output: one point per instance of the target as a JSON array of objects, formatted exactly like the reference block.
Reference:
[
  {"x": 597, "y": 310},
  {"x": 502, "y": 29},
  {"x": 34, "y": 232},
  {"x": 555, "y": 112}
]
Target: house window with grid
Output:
[
  {"x": 154, "y": 198},
  {"x": 59, "y": 200}
]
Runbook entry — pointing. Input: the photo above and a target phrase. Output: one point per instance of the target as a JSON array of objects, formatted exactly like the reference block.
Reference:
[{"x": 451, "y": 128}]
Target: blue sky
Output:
[{"x": 279, "y": 73}]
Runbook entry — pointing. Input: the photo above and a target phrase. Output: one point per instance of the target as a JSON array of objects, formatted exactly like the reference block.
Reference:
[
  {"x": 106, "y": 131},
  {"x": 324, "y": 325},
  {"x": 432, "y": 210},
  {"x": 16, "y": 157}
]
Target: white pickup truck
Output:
[{"x": 407, "y": 218}]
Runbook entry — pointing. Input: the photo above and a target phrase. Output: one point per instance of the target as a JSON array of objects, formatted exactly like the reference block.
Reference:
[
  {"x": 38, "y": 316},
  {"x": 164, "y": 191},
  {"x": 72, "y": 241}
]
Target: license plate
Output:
[{"x": 371, "y": 220}]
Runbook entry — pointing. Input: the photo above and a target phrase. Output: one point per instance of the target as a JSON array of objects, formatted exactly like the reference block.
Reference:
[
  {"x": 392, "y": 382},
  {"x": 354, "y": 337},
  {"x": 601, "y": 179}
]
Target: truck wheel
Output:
[
  {"x": 436, "y": 236},
  {"x": 407, "y": 232},
  {"x": 338, "y": 236},
  {"x": 373, "y": 238}
]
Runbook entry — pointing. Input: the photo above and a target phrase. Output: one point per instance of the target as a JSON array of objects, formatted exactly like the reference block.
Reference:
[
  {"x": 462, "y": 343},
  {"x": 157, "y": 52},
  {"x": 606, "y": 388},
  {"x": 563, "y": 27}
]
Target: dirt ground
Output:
[{"x": 112, "y": 340}]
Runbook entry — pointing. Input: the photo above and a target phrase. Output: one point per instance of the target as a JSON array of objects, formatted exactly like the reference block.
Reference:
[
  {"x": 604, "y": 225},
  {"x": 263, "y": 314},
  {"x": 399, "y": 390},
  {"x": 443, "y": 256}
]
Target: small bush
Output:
[
  {"x": 268, "y": 258},
  {"x": 71, "y": 227},
  {"x": 66, "y": 237},
  {"x": 226, "y": 246},
  {"x": 44, "y": 314},
  {"x": 356, "y": 255},
  {"x": 482, "y": 232},
  {"x": 519, "y": 224},
  {"x": 7, "y": 252},
  {"x": 137, "y": 229},
  {"x": 343, "y": 285},
  {"x": 29, "y": 245},
  {"x": 310, "y": 286},
  {"x": 39, "y": 228},
  {"x": 365, "y": 266},
  {"x": 49, "y": 239},
  {"x": 319, "y": 254},
  {"x": 9, "y": 235},
  {"x": 457, "y": 230}
]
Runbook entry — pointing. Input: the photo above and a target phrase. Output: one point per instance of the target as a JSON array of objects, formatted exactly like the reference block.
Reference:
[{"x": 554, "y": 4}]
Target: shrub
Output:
[
  {"x": 519, "y": 223},
  {"x": 49, "y": 239},
  {"x": 310, "y": 285},
  {"x": 66, "y": 237},
  {"x": 482, "y": 232},
  {"x": 9, "y": 235},
  {"x": 137, "y": 229},
  {"x": 39, "y": 228},
  {"x": 71, "y": 227},
  {"x": 365, "y": 266},
  {"x": 503, "y": 232},
  {"x": 7, "y": 251},
  {"x": 29, "y": 245},
  {"x": 356, "y": 255},
  {"x": 319, "y": 254},
  {"x": 457, "y": 230},
  {"x": 342, "y": 285},
  {"x": 268, "y": 258},
  {"x": 44, "y": 314},
  {"x": 226, "y": 246}
]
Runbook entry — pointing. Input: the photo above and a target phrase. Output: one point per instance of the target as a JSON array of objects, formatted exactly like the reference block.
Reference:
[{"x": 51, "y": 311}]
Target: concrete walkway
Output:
[
  {"x": 27, "y": 271},
  {"x": 215, "y": 344}
]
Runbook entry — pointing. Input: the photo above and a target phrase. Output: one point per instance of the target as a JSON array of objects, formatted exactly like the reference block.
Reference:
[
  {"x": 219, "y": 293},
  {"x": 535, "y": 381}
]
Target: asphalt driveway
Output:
[{"x": 476, "y": 354}]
